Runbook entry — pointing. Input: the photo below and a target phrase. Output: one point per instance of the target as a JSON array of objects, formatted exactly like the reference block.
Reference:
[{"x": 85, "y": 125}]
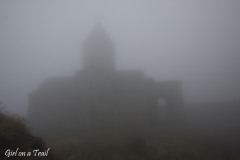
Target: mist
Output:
[
  {"x": 196, "y": 42},
  {"x": 133, "y": 78}
]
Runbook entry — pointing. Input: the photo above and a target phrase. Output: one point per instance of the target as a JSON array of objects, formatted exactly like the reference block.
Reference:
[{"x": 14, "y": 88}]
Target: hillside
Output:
[{"x": 14, "y": 136}]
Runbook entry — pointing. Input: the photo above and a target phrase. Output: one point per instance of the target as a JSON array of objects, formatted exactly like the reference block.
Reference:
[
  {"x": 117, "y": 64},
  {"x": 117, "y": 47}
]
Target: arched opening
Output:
[{"x": 162, "y": 109}]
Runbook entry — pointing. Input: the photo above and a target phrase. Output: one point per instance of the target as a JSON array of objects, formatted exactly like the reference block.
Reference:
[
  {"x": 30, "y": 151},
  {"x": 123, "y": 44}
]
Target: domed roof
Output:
[{"x": 98, "y": 36}]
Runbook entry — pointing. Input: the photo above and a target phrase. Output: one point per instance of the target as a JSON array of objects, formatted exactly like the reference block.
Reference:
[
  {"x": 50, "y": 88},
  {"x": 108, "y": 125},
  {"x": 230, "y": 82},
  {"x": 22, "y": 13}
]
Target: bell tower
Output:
[{"x": 98, "y": 51}]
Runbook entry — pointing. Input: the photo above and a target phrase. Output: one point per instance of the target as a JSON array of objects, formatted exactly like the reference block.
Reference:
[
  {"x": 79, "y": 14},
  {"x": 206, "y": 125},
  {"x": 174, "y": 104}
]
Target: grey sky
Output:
[{"x": 194, "y": 41}]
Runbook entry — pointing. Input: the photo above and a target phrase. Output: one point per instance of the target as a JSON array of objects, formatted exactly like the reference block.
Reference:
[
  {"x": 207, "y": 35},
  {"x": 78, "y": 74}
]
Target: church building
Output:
[{"x": 101, "y": 97}]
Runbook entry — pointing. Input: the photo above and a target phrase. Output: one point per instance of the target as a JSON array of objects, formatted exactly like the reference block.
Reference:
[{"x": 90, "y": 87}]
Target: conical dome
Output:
[
  {"x": 98, "y": 36},
  {"x": 98, "y": 50}
]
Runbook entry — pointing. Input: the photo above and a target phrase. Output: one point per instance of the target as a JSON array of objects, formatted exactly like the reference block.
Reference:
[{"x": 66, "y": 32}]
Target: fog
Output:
[
  {"x": 193, "y": 41},
  {"x": 129, "y": 79}
]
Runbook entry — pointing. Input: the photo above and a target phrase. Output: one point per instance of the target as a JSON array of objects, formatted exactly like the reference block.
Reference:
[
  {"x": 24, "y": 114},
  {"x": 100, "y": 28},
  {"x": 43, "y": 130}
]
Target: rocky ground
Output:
[{"x": 160, "y": 146}]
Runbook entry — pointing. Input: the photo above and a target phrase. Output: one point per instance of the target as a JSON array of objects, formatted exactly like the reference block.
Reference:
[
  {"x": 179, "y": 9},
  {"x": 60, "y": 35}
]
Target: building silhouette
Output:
[{"x": 99, "y": 97}]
